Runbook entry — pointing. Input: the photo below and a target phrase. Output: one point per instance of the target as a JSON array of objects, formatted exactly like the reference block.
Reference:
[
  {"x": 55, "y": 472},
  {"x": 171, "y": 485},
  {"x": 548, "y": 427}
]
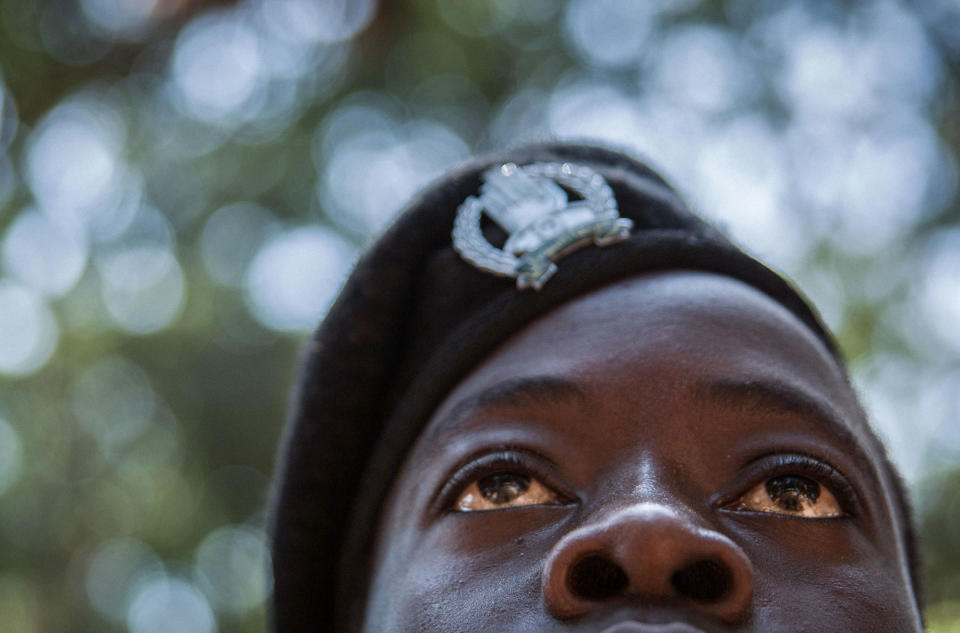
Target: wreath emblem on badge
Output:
[{"x": 531, "y": 204}]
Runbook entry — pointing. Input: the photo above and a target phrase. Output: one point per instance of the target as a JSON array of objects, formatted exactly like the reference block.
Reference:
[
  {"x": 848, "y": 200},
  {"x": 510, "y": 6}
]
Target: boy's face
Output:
[{"x": 673, "y": 453}]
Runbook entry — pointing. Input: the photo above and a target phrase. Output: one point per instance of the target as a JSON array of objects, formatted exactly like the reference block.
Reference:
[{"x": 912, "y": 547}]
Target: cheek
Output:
[
  {"x": 847, "y": 602},
  {"x": 830, "y": 581},
  {"x": 450, "y": 597},
  {"x": 464, "y": 574}
]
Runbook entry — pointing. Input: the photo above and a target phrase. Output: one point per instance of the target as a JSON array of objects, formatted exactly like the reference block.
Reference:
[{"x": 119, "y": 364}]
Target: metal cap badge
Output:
[{"x": 530, "y": 204}]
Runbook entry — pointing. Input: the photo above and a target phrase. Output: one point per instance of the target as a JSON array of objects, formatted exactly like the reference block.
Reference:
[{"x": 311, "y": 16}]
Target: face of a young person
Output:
[{"x": 674, "y": 453}]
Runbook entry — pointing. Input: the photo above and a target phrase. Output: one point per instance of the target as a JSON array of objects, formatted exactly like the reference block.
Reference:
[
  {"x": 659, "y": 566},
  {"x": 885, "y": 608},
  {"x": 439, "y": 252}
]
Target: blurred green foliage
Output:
[{"x": 148, "y": 351}]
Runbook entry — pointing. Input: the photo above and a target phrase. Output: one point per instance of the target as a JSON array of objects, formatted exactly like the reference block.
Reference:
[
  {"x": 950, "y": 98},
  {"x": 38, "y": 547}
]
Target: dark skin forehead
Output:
[{"x": 660, "y": 395}]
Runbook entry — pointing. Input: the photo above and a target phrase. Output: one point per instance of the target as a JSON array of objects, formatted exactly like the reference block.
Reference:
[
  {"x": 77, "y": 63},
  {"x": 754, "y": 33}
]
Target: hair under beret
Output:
[{"x": 409, "y": 324}]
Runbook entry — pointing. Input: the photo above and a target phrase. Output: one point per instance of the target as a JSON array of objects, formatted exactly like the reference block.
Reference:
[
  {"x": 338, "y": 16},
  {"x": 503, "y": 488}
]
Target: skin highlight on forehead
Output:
[{"x": 653, "y": 407}]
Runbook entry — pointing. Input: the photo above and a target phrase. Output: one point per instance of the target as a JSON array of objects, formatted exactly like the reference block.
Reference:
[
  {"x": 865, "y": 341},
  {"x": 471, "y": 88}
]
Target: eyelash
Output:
[
  {"x": 777, "y": 465},
  {"x": 504, "y": 459},
  {"x": 761, "y": 469}
]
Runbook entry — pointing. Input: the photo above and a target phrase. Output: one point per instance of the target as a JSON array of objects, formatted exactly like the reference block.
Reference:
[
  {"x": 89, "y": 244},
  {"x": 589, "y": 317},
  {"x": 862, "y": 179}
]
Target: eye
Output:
[
  {"x": 504, "y": 490},
  {"x": 792, "y": 495}
]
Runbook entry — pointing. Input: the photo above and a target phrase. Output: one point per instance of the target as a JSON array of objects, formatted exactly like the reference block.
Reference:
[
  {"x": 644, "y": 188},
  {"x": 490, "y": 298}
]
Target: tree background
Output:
[{"x": 183, "y": 186}]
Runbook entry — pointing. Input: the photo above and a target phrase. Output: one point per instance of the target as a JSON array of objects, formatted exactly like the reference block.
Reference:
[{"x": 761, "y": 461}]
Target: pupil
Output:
[
  {"x": 503, "y": 487},
  {"x": 791, "y": 491}
]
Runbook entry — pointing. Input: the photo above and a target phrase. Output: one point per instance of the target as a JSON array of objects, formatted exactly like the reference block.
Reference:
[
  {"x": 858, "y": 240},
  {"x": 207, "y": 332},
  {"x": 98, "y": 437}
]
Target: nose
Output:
[{"x": 648, "y": 553}]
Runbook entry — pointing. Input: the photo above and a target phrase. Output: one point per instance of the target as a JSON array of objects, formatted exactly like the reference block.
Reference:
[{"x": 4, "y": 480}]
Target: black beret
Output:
[{"x": 411, "y": 321}]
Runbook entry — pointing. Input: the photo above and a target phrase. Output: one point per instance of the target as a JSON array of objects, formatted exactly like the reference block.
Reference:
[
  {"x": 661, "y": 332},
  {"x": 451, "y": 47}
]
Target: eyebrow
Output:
[
  {"x": 733, "y": 393},
  {"x": 779, "y": 397},
  {"x": 515, "y": 392}
]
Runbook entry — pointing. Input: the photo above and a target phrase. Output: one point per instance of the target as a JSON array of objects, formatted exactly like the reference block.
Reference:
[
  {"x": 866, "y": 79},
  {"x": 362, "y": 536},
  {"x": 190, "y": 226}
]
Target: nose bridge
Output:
[
  {"x": 629, "y": 532},
  {"x": 648, "y": 552}
]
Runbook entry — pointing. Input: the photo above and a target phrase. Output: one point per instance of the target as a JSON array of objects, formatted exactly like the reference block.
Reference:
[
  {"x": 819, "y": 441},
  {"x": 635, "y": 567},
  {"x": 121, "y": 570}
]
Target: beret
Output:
[{"x": 410, "y": 322}]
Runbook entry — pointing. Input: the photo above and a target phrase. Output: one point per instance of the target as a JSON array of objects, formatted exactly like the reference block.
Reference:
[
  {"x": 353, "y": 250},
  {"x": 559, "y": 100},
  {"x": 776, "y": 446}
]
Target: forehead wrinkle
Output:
[
  {"x": 780, "y": 397},
  {"x": 524, "y": 391}
]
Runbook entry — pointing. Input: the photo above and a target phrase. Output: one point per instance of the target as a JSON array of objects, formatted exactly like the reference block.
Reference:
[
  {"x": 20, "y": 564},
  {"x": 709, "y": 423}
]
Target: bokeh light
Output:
[
  {"x": 163, "y": 604},
  {"x": 216, "y": 68},
  {"x": 743, "y": 182},
  {"x": 938, "y": 289},
  {"x": 28, "y": 330},
  {"x": 610, "y": 32},
  {"x": 113, "y": 570},
  {"x": 73, "y": 159},
  {"x": 231, "y": 237},
  {"x": 124, "y": 19},
  {"x": 322, "y": 22},
  {"x": 43, "y": 255},
  {"x": 295, "y": 276},
  {"x": 702, "y": 67},
  {"x": 595, "y": 109},
  {"x": 143, "y": 288},
  {"x": 374, "y": 163},
  {"x": 232, "y": 566},
  {"x": 113, "y": 400}
]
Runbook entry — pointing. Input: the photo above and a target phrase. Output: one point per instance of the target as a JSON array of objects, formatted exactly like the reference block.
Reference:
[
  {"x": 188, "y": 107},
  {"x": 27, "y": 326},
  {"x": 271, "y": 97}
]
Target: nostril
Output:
[
  {"x": 706, "y": 580},
  {"x": 596, "y": 577}
]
